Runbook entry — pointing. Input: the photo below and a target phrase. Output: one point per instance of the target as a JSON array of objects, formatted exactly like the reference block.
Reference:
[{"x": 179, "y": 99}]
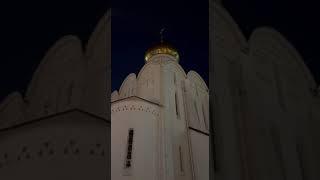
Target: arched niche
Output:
[
  {"x": 96, "y": 95},
  {"x": 12, "y": 110},
  {"x": 128, "y": 87},
  {"x": 57, "y": 82}
]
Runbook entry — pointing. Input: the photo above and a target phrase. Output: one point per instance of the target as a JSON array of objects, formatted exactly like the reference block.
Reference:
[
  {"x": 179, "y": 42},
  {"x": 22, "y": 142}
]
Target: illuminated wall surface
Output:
[
  {"x": 168, "y": 110},
  {"x": 266, "y": 104},
  {"x": 60, "y": 129}
]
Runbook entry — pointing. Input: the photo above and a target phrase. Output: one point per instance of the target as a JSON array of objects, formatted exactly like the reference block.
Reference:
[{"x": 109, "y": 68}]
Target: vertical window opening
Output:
[
  {"x": 177, "y": 105},
  {"x": 204, "y": 117},
  {"x": 196, "y": 109},
  {"x": 277, "y": 149},
  {"x": 197, "y": 92},
  {"x": 300, "y": 159},
  {"x": 128, "y": 162},
  {"x": 70, "y": 89},
  {"x": 181, "y": 160},
  {"x": 279, "y": 88}
]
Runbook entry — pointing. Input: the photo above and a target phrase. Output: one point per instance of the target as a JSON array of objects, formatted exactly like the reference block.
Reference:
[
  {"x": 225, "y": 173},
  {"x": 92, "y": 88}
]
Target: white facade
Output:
[{"x": 168, "y": 111}]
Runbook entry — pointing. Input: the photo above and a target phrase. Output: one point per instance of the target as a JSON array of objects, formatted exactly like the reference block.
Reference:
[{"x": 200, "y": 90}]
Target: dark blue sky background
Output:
[{"x": 136, "y": 26}]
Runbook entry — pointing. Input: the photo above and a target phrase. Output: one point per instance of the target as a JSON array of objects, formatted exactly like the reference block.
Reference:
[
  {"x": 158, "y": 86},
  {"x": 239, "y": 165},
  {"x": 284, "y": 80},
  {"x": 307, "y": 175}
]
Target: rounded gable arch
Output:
[
  {"x": 57, "y": 81},
  {"x": 99, "y": 36},
  {"x": 193, "y": 75},
  {"x": 226, "y": 32},
  {"x": 129, "y": 82},
  {"x": 12, "y": 110},
  {"x": 114, "y": 96},
  {"x": 176, "y": 65},
  {"x": 267, "y": 38},
  {"x": 67, "y": 46}
]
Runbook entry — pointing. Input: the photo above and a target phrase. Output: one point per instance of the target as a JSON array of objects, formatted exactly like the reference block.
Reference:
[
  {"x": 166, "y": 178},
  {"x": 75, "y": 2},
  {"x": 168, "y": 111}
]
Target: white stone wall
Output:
[
  {"x": 175, "y": 125},
  {"x": 128, "y": 87},
  {"x": 162, "y": 81},
  {"x": 183, "y": 103},
  {"x": 148, "y": 82},
  {"x": 197, "y": 102},
  {"x": 143, "y": 117},
  {"x": 200, "y": 151}
]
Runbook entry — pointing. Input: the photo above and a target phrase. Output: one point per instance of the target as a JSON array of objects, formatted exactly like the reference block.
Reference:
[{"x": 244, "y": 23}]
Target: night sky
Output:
[
  {"x": 29, "y": 29},
  {"x": 134, "y": 30},
  {"x": 298, "y": 21}
]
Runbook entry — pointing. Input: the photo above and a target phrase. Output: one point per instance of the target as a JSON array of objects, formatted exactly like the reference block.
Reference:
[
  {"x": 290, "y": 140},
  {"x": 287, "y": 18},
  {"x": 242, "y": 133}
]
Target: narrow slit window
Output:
[
  {"x": 128, "y": 162},
  {"x": 70, "y": 89},
  {"x": 177, "y": 105},
  {"x": 196, "y": 109},
  {"x": 277, "y": 149},
  {"x": 279, "y": 88},
  {"x": 300, "y": 159},
  {"x": 204, "y": 117},
  {"x": 181, "y": 160}
]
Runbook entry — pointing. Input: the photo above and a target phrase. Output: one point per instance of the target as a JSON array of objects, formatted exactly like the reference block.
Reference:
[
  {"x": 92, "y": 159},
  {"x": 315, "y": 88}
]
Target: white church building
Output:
[{"x": 160, "y": 122}]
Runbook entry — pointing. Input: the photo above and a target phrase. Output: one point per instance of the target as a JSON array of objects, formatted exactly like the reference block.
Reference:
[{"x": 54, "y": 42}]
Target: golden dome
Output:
[{"x": 162, "y": 48}]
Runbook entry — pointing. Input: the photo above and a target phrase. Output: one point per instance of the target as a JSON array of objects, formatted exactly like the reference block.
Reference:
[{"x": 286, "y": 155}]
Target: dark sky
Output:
[
  {"x": 136, "y": 29},
  {"x": 29, "y": 29},
  {"x": 298, "y": 21}
]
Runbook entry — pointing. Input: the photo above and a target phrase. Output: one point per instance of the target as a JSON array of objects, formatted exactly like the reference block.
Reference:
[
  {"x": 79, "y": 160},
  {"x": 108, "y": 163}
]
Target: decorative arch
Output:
[
  {"x": 225, "y": 27},
  {"x": 66, "y": 46},
  {"x": 114, "y": 96},
  {"x": 146, "y": 66},
  {"x": 195, "y": 77},
  {"x": 178, "y": 67},
  {"x": 266, "y": 38},
  {"x": 61, "y": 68},
  {"x": 98, "y": 69},
  {"x": 129, "y": 83},
  {"x": 12, "y": 110},
  {"x": 98, "y": 37}
]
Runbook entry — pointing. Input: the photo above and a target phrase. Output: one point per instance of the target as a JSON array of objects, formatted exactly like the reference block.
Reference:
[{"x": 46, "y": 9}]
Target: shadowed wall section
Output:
[
  {"x": 263, "y": 105},
  {"x": 61, "y": 128}
]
